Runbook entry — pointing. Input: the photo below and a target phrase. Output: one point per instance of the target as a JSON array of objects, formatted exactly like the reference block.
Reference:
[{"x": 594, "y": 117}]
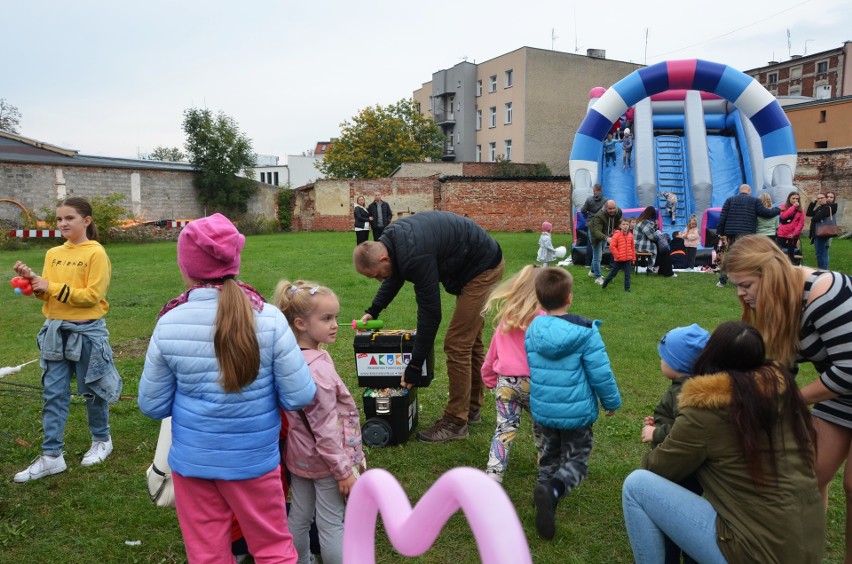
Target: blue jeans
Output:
[
  {"x": 626, "y": 266},
  {"x": 56, "y": 381},
  {"x": 597, "y": 254},
  {"x": 654, "y": 506},
  {"x": 821, "y": 250}
]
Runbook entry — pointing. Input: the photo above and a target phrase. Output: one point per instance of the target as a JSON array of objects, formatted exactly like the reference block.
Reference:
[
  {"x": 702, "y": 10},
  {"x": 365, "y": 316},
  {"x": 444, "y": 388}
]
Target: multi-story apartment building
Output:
[
  {"x": 822, "y": 75},
  {"x": 524, "y": 106}
]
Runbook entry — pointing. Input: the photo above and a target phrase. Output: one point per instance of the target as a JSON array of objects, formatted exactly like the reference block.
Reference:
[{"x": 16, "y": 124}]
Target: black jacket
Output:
[
  {"x": 739, "y": 215},
  {"x": 362, "y": 217},
  {"x": 818, "y": 215},
  {"x": 385, "y": 211},
  {"x": 427, "y": 249}
]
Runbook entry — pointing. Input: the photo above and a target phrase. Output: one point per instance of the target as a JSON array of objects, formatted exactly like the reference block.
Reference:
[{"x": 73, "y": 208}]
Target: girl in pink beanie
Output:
[{"x": 546, "y": 252}]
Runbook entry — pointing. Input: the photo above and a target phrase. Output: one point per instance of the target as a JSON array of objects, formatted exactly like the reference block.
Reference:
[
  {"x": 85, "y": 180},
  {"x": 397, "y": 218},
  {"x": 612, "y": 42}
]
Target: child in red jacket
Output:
[{"x": 623, "y": 254}]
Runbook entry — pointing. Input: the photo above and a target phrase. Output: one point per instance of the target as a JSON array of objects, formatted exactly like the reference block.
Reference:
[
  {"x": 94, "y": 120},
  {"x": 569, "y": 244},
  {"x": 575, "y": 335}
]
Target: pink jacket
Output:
[
  {"x": 794, "y": 228},
  {"x": 506, "y": 356},
  {"x": 691, "y": 237},
  {"x": 332, "y": 446}
]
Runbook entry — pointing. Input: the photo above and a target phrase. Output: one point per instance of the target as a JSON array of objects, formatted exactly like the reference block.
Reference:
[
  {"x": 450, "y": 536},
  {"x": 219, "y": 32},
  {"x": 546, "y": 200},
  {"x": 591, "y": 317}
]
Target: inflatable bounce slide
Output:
[{"x": 700, "y": 129}]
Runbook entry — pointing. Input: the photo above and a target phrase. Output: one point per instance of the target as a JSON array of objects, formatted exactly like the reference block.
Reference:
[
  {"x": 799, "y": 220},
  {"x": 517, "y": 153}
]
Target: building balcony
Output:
[
  {"x": 444, "y": 117},
  {"x": 448, "y": 153}
]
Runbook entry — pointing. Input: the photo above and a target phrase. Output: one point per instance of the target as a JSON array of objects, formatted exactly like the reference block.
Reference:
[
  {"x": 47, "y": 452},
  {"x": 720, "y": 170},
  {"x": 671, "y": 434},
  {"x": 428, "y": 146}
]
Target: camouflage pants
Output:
[{"x": 565, "y": 456}]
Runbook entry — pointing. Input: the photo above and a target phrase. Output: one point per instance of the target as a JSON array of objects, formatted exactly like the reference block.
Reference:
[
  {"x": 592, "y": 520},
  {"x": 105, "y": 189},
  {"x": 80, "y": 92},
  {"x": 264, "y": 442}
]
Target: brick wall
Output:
[
  {"x": 827, "y": 170},
  {"x": 496, "y": 204}
]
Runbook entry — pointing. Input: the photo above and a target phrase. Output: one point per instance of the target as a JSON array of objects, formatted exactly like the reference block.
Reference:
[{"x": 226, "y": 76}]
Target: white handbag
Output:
[{"x": 161, "y": 488}]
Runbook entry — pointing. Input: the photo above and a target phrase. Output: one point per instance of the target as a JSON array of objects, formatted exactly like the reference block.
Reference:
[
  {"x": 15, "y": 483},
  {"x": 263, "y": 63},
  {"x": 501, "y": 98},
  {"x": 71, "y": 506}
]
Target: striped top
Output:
[{"x": 826, "y": 341}]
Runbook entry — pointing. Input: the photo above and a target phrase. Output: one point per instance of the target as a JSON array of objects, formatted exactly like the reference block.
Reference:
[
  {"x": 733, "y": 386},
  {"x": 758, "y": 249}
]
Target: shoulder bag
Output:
[{"x": 828, "y": 227}]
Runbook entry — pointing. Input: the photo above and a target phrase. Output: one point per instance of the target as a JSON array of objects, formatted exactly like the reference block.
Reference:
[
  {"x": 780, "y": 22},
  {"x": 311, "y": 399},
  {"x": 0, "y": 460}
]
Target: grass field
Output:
[{"x": 87, "y": 514}]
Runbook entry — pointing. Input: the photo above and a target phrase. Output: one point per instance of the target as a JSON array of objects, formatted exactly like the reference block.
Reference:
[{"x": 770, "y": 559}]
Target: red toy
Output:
[{"x": 21, "y": 285}]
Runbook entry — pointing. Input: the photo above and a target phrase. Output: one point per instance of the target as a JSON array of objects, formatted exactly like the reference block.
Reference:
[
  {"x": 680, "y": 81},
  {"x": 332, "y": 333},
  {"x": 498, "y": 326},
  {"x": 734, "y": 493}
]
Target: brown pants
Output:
[{"x": 463, "y": 345}]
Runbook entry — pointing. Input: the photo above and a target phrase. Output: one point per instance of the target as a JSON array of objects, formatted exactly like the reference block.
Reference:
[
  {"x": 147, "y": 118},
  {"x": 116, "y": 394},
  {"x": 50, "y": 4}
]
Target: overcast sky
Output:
[{"x": 113, "y": 77}]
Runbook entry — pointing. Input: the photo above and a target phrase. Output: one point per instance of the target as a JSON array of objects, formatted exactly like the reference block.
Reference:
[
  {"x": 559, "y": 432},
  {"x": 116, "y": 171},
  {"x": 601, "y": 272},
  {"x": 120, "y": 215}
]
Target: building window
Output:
[
  {"x": 263, "y": 177},
  {"x": 508, "y": 112},
  {"x": 823, "y": 92},
  {"x": 276, "y": 178},
  {"x": 492, "y": 151},
  {"x": 493, "y": 83},
  {"x": 478, "y": 120},
  {"x": 458, "y": 137},
  {"x": 822, "y": 67},
  {"x": 479, "y": 88},
  {"x": 507, "y": 146},
  {"x": 822, "y": 116},
  {"x": 796, "y": 72},
  {"x": 821, "y": 145},
  {"x": 479, "y": 153},
  {"x": 795, "y": 92},
  {"x": 773, "y": 78},
  {"x": 510, "y": 78},
  {"x": 492, "y": 116}
]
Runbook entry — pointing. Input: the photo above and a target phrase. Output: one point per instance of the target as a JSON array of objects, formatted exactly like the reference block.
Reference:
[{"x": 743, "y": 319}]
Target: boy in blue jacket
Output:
[{"x": 569, "y": 373}]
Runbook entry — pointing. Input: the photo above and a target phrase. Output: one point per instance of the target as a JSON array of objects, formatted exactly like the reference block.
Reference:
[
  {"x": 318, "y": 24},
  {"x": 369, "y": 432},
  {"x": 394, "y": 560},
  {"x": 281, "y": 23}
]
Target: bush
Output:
[
  {"x": 285, "y": 195},
  {"x": 255, "y": 224},
  {"x": 106, "y": 213}
]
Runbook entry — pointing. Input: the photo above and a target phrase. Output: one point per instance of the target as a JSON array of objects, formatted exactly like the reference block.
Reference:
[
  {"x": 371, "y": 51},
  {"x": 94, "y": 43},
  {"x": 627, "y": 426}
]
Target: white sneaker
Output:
[
  {"x": 98, "y": 453},
  {"x": 42, "y": 466},
  {"x": 719, "y": 285},
  {"x": 591, "y": 273},
  {"x": 599, "y": 280}
]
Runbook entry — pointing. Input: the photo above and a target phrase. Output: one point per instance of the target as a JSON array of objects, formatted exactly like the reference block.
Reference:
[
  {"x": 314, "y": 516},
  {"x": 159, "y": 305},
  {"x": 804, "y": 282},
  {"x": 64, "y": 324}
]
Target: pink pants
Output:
[{"x": 205, "y": 507}]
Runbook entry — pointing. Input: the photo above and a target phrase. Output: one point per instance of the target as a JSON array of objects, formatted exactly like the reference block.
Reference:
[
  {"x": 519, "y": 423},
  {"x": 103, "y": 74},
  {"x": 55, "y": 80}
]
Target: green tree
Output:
[
  {"x": 220, "y": 151},
  {"x": 161, "y": 153},
  {"x": 10, "y": 117},
  {"x": 379, "y": 139}
]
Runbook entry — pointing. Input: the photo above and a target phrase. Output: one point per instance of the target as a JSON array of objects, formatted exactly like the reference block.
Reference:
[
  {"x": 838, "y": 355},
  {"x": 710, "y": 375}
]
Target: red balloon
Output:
[
  {"x": 27, "y": 290},
  {"x": 18, "y": 281}
]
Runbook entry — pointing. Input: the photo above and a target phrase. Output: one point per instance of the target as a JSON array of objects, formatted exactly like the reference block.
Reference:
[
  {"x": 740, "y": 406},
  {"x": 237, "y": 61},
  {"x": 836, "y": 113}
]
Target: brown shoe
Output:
[
  {"x": 442, "y": 431},
  {"x": 474, "y": 417}
]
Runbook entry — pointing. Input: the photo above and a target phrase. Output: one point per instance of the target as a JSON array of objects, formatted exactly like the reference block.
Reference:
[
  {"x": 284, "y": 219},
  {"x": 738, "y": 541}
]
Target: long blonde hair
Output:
[
  {"x": 296, "y": 299},
  {"x": 235, "y": 340},
  {"x": 778, "y": 311},
  {"x": 692, "y": 222},
  {"x": 514, "y": 301}
]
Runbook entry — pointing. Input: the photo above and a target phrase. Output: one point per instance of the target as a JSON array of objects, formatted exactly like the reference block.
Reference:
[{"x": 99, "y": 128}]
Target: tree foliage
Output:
[
  {"x": 379, "y": 139},
  {"x": 10, "y": 117},
  {"x": 220, "y": 151},
  {"x": 173, "y": 154}
]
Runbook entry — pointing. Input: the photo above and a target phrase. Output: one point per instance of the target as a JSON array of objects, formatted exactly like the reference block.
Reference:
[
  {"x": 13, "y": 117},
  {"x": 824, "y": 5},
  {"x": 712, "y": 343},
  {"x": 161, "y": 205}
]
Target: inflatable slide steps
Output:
[{"x": 671, "y": 179}]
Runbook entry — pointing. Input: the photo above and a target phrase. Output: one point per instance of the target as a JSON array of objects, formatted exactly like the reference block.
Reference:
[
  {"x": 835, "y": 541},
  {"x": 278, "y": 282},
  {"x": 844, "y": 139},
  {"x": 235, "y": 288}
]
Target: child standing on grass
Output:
[
  {"x": 221, "y": 361},
  {"x": 505, "y": 369},
  {"x": 678, "y": 350},
  {"x": 569, "y": 374},
  {"x": 691, "y": 237},
  {"x": 623, "y": 254},
  {"x": 546, "y": 252},
  {"x": 74, "y": 339},
  {"x": 324, "y": 453}
]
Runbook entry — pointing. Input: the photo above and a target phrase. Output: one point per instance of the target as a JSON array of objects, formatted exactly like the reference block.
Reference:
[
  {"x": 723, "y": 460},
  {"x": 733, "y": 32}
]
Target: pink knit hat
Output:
[
  {"x": 546, "y": 226},
  {"x": 209, "y": 248}
]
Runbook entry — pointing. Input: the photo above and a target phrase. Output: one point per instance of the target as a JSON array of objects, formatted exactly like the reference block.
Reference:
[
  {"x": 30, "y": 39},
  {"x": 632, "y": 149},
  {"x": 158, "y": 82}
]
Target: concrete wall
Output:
[{"x": 148, "y": 194}]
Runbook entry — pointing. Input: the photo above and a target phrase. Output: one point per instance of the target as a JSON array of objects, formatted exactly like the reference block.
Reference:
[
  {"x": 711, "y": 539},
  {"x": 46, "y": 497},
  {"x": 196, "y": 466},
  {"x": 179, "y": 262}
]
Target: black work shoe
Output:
[{"x": 545, "y": 511}]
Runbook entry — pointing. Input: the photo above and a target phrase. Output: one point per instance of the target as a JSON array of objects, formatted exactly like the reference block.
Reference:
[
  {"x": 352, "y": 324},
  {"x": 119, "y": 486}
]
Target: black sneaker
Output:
[
  {"x": 545, "y": 511},
  {"x": 474, "y": 417}
]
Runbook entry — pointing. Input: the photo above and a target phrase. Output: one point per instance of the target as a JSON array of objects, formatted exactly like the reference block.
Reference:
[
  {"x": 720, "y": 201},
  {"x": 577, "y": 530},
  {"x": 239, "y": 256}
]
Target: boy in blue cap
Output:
[{"x": 678, "y": 350}]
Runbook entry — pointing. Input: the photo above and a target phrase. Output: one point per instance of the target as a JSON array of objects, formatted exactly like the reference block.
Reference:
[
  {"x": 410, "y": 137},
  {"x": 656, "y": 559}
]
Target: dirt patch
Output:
[{"x": 130, "y": 349}]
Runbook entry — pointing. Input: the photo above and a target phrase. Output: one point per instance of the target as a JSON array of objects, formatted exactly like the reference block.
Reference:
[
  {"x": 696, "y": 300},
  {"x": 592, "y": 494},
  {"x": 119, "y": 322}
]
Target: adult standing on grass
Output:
[
  {"x": 362, "y": 221},
  {"x": 604, "y": 224},
  {"x": 791, "y": 222},
  {"x": 739, "y": 217},
  {"x": 744, "y": 431},
  {"x": 380, "y": 214},
  {"x": 431, "y": 249},
  {"x": 591, "y": 206},
  {"x": 74, "y": 339},
  {"x": 221, "y": 362},
  {"x": 820, "y": 210},
  {"x": 805, "y": 315}
]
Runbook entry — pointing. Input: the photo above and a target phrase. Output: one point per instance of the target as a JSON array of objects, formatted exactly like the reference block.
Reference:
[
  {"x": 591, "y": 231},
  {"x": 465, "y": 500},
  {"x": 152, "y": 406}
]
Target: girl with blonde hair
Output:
[
  {"x": 767, "y": 225},
  {"x": 505, "y": 370},
  {"x": 324, "y": 453},
  {"x": 691, "y": 238},
  {"x": 804, "y": 315}
]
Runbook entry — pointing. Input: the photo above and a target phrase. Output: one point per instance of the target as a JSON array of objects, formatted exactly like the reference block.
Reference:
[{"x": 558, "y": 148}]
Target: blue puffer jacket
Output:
[
  {"x": 569, "y": 372},
  {"x": 216, "y": 434}
]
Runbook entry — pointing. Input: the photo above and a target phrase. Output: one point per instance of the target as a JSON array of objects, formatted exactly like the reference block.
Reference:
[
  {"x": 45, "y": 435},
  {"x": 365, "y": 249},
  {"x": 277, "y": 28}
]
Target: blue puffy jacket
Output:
[
  {"x": 569, "y": 372},
  {"x": 217, "y": 434}
]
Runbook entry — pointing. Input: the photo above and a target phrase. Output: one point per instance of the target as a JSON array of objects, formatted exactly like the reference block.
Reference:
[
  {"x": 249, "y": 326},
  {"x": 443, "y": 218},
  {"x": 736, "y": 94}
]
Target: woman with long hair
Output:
[
  {"x": 805, "y": 315},
  {"x": 745, "y": 431},
  {"x": 790, "y": 224}
]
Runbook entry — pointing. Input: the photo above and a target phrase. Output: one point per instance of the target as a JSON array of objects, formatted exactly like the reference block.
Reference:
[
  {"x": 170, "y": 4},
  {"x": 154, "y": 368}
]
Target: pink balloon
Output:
[
  {"x": 596, "y": 92},
  {"x": 488, "y": 509}
]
